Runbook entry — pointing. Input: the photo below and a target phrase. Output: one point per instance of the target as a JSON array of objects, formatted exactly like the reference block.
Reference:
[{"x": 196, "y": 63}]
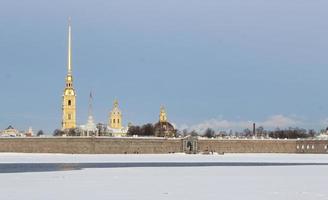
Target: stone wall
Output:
[
  {"x": 107, "y": 145},
  {"x": 247, "y": 146},
  {"x": 262, "y": 146},
  {"x": 312, "y": 146},
  {"x": 90, "y": 145}
]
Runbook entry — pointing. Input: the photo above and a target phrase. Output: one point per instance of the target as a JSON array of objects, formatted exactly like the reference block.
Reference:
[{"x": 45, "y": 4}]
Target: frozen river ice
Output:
[{"x": 174, "y": 176}]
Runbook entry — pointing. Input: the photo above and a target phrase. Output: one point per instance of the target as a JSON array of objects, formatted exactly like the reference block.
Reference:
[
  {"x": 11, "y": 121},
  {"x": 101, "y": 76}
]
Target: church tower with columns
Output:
[
  {"x": 69, "y": 96},
  {"x": 115, "y": 127},
  {"x": 115, "y": 119}
]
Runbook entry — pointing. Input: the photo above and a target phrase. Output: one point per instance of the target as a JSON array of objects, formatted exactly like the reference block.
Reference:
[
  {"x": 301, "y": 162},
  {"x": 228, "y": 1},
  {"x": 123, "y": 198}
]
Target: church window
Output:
[
  {"x": 69, "y": 116},
  {"x": 69, "y": 102},
  {"x": 118, "y": 121},
  {"x": 114, "y": 121}
]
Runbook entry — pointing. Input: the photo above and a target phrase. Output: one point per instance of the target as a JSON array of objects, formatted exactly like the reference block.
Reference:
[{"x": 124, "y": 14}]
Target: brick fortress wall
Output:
[{"x": 106, "y": 145}]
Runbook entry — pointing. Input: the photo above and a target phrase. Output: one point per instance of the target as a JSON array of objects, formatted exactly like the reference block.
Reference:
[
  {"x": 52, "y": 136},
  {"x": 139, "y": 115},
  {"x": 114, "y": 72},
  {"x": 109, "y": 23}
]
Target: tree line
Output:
[
  {"x": 149, "y": 130},
  {"x": 144, "y": 130}
]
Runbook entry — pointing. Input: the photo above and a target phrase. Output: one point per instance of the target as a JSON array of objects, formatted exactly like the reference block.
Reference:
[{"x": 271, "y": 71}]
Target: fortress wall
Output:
[
  {"x": 247, "y": 146},
  {"x": 105, "y": 145},
  {"x": 312, "y": 146},
  {"x": 137, "y": 145},
  {"x": 78, "y": 145},
  {"x": 263, "y": 146}
]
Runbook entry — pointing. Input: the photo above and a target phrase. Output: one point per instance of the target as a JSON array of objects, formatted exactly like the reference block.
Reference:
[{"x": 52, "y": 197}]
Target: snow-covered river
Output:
[{"x": 174, "y": 176}]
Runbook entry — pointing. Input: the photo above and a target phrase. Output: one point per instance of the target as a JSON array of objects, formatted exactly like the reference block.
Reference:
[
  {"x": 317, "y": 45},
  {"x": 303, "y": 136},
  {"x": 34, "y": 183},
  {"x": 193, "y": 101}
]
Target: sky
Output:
[{"x": 219, "y": 64}]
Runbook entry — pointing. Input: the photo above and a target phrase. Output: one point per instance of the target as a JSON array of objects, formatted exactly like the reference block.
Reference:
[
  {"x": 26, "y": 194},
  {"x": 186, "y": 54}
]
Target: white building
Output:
[
  {"x": 90, "y": 128},
  {"x": 10, "y": 131}
]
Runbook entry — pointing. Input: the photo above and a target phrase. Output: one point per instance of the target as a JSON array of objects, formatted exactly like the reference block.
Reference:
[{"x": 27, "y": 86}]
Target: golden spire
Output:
[
  {"x": 162, "y": 115},
  {"x": 69, "y": 97},
  {"x": 69, "y": 63}
]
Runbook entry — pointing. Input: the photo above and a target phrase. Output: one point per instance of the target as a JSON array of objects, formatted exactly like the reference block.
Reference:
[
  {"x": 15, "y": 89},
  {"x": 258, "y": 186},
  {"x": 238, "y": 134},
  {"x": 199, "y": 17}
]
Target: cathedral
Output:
[
  {"x": 163, "y": 128},
  {"x": 69, "y": 96},
  {"x": 114, "y": 127}
]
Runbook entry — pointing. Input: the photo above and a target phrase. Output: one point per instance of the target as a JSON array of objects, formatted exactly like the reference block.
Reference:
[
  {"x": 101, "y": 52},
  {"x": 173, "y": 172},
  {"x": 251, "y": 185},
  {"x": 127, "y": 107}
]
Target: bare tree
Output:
[
  {"x": 247, "y": 132},
  {"x": 259, "y": 131},
  {"x": 209, "y": 133},
  {"x": 58, "y": 132},
  {"x": 193, "y": 133},
  {"x": 40, "y": 133},
  {"x": 185, "y": 132}
]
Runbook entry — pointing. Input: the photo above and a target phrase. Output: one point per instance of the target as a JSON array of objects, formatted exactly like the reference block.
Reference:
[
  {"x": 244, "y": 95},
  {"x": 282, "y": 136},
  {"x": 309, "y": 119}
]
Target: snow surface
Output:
[{"x": 152, "y": 183}]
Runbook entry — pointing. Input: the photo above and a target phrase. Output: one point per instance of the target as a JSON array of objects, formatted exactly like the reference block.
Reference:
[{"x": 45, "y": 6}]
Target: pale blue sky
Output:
[{"x": 207, "y": 61}]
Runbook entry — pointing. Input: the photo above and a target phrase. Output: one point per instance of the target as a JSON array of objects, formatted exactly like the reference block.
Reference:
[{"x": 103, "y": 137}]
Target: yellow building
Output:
[
  {"x": 115, "y": 119},
  {"x": 69, "y": 96},
  {"x": 10, "y": 132},
  {"x": 115, "y": 127}
]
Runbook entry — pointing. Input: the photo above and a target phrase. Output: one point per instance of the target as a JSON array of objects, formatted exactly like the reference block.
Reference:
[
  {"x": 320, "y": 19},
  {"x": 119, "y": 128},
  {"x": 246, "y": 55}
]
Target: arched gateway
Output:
[{"x": 190, "y": 145}]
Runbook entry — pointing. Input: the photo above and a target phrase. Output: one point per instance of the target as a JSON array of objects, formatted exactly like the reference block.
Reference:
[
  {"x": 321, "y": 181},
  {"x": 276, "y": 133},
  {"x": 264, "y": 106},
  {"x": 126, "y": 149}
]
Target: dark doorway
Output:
[{"x": 189, "y": 146}]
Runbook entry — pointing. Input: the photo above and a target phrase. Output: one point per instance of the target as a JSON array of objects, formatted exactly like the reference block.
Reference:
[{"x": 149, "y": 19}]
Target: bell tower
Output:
[
  {"x": 115, "y": 119},
  {"x": 69, "y": 96}
]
